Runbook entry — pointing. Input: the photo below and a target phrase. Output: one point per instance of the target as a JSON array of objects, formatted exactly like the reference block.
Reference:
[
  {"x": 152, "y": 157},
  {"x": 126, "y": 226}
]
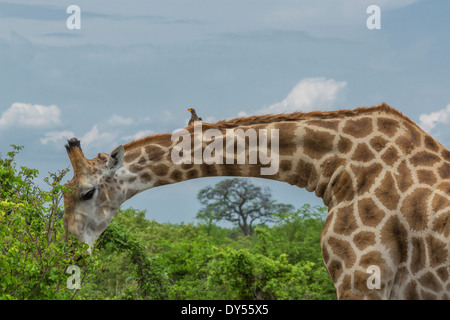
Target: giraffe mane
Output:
[{"x": 269, "y": 118}]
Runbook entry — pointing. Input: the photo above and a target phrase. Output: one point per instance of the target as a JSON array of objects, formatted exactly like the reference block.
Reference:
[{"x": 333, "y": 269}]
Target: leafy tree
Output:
[
  {"x": 151, "y": 280},
  {"x": 300, "y": 231},
  {"x": 240, "y": 202},
  {"x": 242, "y": 274}
]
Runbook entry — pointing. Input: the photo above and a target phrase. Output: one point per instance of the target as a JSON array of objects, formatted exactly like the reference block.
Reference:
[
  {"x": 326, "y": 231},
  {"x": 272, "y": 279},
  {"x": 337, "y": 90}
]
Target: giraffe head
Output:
[{"x": 94, "y": 199}]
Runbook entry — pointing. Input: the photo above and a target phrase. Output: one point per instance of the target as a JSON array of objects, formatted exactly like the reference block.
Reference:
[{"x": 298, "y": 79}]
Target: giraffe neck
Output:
[
  {"x": 311, "y": 153},
  {"x": 337, "y": 156}
]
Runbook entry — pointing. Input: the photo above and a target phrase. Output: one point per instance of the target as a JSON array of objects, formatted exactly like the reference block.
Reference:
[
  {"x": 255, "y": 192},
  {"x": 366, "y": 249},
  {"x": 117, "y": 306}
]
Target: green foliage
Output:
[
  {"x": 151, "y": 281},
  {"x": 224, "y": 264}
]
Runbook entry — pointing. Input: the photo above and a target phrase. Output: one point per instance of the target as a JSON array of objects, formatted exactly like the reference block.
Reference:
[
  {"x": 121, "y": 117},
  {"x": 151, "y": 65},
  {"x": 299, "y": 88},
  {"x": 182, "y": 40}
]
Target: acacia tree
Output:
[{"x": 240, "y": 202}]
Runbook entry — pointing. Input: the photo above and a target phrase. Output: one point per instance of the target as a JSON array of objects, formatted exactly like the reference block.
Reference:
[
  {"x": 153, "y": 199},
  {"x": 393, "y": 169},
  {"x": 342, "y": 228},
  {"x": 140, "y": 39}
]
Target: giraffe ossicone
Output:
[{"x": 385, "y": 181}]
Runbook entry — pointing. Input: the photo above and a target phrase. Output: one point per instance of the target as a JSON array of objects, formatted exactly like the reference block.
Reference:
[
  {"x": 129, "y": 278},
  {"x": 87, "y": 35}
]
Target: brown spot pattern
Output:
[
  {"x": 437, "y": 251},
  {"x": 418, "y": 255},
  {"x": 369, "y": 213},
  {"x": 154, "y": 153},
  {"x": 364, "y": 239},
  {"x": 426, "y": 177},
  {"x": 390, "y": 156},
  {"x": 343, "y": 249},
  {"x": 286, "y": 132},
  {"x": 132, "y": 179},
  {"x": 131, "y": 193},
  {"x": 444, "y": 187},
  {"x": 378, "y": 143},
  {"x": 431, "y": 144},
  {"x": 441, "y": 224},
  {"x": 444, "y": 171},
  {"x": 446, "y": 154},
  {"x": 132, "y": 155},
  {"x": 305, "y": 172},
  {"x": 424, "y": 158},
  {"x": 360, "y": 281},
  {"x": 192, "y": 174},
  {"x": 330, "y": 165},
  {"x": 285, "y": 165},
  {"x": 411, "y": 292},
  {"x": 395, "y": 238},
  {"x": 317, "y": 143},
  {"x": 325, "y": 123},
  {"x": 358, "y": 128},
  {"x": 136, "y": 168},
  {"x": 160, "y": 182},
  {"x": 442, "y": 273},
  {"x": 373, "y": 258},
  {"x": 365, "y": 176},
  {"x": 187, "y": 166},
  {"x": 387, "y": 126},
  {"x": 342, "y": 187},
  {"x": 146, "y": 177},
  {"x": 209, "y": 170},
  {"x": 404, "y": 177},
  {"x": 335, "y": 270},
  {"x": 176, "y": 175},
  {"x": 386, "y": 193},
  {"x": 362, "y": 153},
  {"x": 405, "y": 144},
  {"x": 160, "y": 169},
  {"x": 414, "y": 209},
  {"x": 345, "y": 222},
  {"x": 429, "y": 281},
  {"x": 344, "y": 145}
]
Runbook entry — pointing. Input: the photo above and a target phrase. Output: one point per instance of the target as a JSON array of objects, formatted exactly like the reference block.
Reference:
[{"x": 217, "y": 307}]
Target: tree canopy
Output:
[{"x": 240, "y": 202}]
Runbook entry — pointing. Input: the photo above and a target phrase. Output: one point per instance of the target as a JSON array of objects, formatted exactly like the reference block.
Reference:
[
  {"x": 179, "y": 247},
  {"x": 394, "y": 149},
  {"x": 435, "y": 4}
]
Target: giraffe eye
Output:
[{"x": 88, "y": 194}]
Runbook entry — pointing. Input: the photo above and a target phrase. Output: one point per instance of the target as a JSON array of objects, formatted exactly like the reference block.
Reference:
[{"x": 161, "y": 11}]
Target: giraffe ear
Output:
[{"x": 115, "y": 159}]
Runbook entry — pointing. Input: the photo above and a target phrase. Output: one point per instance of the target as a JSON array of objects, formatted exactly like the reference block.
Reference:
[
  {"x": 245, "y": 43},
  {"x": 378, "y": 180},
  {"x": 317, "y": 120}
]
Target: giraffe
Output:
[{"x": 385, "y": 181}]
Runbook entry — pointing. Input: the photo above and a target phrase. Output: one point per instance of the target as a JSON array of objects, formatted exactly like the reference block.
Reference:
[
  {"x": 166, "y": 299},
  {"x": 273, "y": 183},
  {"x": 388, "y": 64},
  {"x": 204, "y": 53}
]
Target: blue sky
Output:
[{"x": 133, "y": 69}]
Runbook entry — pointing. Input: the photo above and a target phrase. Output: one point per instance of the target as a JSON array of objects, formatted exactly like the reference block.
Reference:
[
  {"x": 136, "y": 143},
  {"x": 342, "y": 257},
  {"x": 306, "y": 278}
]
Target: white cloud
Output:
[
  {"x": 429, "y": 121},
  {"x": 96, "y": 138},
  {"x": 30, "y": 116},
  {"x": 56, "y": 136},
  {"x": 101, "y": 135},
  {"x": 210, "y": 119},
  {"x": 309, "y": 94},
  {"x": 138, "y": 135},
  {"x": 119, "y": 120}
]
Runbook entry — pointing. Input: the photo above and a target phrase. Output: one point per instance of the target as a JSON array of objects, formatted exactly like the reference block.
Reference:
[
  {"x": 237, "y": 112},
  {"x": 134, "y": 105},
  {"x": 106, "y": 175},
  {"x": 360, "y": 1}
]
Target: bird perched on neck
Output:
[{"x": 194, "y": 116}]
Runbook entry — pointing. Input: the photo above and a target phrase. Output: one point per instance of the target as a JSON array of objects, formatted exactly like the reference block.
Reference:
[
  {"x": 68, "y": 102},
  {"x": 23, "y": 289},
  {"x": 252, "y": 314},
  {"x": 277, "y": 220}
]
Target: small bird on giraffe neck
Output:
[{"x": 194, "y": 116}]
